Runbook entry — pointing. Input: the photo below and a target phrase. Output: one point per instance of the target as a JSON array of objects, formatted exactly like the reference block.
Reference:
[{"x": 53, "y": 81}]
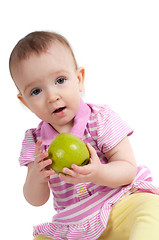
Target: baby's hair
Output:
[{"x": 36, "y": 43}]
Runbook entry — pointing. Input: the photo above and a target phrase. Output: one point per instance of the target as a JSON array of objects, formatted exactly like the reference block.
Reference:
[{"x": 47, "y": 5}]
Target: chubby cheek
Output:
[
  {"x": 73, "y": 94},
  {"x": 42, "y": 115},
  {"x": 38, "y": 109},
  {"x": 73, "y": 99}
]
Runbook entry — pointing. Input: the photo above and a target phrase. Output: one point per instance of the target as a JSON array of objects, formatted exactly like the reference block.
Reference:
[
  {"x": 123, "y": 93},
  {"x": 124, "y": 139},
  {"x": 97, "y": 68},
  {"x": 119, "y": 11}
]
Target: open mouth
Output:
[{"x": 59, "y": 110}]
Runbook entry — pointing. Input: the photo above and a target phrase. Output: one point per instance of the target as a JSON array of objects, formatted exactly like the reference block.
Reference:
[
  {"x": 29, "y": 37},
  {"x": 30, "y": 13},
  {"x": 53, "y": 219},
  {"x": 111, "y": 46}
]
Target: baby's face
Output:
[{"x": 50, "y": 86}]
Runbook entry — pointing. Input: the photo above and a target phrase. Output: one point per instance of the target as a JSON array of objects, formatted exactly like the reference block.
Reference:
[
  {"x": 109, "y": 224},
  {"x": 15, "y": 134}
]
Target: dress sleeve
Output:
[
  {"x": 111, "y": 129},
  {"x": 27, "y": 154}
]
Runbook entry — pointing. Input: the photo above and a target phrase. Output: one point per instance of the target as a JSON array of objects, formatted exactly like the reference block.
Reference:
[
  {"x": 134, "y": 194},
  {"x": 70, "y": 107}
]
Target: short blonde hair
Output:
[{"x": 36, "y": 43}]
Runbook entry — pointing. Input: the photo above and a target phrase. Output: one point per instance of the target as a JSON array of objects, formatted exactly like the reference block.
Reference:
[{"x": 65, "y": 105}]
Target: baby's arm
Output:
[
  {"x": 36, "y": 188},
  {"x": 120, "y": 169}
]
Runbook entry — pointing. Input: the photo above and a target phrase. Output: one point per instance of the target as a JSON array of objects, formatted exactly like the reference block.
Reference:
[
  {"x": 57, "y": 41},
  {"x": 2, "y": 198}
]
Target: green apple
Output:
[{"x": 66, "y": 149}]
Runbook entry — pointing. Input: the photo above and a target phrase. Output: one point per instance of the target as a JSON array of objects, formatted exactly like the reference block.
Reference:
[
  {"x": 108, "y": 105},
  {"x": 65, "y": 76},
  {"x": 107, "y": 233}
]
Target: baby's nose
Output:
[{"x": 52, "y": 96}]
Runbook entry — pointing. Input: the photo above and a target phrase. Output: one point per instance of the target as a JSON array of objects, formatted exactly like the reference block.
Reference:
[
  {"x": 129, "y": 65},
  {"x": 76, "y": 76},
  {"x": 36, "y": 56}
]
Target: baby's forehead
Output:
[
  {"x": 61, "y": 48},
  {"x": 55, "y": 49},
  {"x": 59, "y": 55}
]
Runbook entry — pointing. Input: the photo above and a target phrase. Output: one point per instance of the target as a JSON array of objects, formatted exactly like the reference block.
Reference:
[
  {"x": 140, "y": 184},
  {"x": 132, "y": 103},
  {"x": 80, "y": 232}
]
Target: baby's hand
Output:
[
  {"x": 87, "y": 173},
  {"x": 42, "y": 164}
]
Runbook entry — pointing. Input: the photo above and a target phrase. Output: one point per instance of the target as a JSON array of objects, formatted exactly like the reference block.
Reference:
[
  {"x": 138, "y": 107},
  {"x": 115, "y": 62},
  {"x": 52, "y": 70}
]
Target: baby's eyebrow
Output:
[
  {"x": 59, "y": 72},
  {"x": 30, "y": 84}
]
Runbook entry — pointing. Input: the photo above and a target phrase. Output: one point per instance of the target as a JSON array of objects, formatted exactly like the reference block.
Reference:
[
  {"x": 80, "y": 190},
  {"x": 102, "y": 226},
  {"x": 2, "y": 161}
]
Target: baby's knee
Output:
[{"x": 148, "y": 206}]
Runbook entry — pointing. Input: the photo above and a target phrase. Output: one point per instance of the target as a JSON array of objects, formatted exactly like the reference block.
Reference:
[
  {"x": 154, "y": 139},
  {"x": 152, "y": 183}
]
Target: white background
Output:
[{"x": 118, "y": 44}]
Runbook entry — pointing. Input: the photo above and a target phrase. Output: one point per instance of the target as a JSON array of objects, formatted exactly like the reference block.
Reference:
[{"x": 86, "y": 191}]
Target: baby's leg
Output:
[
  {"x": 135, "y": 217},
  {"x": 146, "y": 218}
]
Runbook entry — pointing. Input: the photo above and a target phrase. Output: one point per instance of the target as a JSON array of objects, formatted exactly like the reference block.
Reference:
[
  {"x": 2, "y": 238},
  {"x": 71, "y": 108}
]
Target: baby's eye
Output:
[
  {"x": 35, "y": 92},
  {"x": 60, "y": 80}
]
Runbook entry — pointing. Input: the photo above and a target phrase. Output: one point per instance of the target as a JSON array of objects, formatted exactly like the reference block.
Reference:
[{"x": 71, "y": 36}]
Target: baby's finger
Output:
[
  {"x": 47, "y": 173},
  {"x": 45, "y": 163},
  {"x": 42, "y": 156},
  {"x": 93, "y": 152},
  {"x": 38, "y": 147},
  {"x": 84, "y": 170},
  {"x": 69, "y": 172},
  {"x": 91, "y": 149},
  {"x": 69, "y": 179},
  {"x": 66, "y": 178}
]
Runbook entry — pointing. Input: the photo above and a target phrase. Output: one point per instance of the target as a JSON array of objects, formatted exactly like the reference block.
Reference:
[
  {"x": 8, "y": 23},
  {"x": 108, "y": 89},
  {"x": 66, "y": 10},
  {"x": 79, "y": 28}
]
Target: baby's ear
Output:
[
  {"x": 81, "y": 76},
  {"x": 20, "y": 97}
]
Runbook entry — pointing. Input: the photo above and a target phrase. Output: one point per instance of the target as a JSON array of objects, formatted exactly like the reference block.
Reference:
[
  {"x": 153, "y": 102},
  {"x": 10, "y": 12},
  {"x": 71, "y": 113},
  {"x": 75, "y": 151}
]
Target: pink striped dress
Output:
[{"x": 83, "y": 209}]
